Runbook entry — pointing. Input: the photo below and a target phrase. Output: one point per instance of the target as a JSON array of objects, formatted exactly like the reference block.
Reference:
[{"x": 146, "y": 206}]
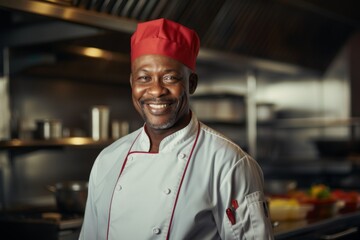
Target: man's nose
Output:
[{"x": 157, "y": 88}]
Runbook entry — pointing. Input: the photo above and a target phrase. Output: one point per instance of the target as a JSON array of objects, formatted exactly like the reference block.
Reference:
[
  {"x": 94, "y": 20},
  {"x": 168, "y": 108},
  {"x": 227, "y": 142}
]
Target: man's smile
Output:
[{"x": 158, "y": 106}]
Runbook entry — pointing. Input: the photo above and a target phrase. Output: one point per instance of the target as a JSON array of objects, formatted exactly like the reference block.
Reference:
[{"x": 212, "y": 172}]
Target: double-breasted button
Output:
[
  {"x": 156, "y": 230},
  {"x": 118, "y": 187},
  {"x": 130, "y": 158},
  {"x": 167, "y": 191},
  {"x": 182, "y": 156}
]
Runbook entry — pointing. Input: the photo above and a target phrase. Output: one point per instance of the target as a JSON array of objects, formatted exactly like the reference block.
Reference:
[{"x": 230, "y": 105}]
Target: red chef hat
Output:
[{"x": 168, "y": 38}]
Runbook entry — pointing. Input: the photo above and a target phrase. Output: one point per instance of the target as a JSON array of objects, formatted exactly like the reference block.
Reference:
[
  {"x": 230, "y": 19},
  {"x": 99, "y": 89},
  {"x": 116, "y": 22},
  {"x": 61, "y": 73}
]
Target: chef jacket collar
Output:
[{"x": 174, "y": 140}]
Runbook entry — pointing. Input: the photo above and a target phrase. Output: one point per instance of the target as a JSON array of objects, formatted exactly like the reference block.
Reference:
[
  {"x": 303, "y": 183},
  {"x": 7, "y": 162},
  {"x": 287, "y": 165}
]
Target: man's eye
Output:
[
  {"x": 171, "y": 78},
  {"x": 143, "y": 78}
]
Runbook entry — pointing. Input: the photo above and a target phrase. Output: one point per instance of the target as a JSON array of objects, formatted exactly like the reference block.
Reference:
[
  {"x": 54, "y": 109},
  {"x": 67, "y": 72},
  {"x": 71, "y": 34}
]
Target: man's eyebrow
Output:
[
  {"x": 171, "y": 70},
  {"x": 142, "y": 70}
]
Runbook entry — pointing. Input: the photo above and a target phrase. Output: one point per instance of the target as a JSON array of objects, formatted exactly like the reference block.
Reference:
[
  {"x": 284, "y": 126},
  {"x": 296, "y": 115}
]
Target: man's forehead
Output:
[{"x": 156, "y": 61}]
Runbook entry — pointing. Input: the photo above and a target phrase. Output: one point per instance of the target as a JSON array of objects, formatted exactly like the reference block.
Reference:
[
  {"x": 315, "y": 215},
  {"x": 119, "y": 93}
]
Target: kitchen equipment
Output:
[
  {"x": 70, "y": 196},
  {"x": 119, "y": 128},
  {"x": 265, "y": 111},
  {"x": 48, "y": 129},
  {"x": 332, "y": 147},
  {"x": 221, "y": 107},
  {"x": 4, "y": 109},
  {"x": 100, "y": 122}
]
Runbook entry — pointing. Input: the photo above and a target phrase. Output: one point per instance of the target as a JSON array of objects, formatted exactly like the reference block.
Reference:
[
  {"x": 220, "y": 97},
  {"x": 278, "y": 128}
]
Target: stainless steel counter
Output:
[{"x": 344, "y": 226}]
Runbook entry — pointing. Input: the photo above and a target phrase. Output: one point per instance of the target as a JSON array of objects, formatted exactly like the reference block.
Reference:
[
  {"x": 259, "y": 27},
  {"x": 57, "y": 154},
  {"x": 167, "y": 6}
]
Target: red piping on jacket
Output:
[
  {"x": 178, "y": 192},
  {"x": 182, "y": 179},
  {"x": 112, "y": 195}
]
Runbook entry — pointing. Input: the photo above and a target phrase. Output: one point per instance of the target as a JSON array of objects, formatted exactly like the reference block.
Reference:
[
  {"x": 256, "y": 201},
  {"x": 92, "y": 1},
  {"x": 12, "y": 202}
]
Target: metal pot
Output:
[
  {"x": 70, "y": 196},
  {"x": 48, "y": 129}
]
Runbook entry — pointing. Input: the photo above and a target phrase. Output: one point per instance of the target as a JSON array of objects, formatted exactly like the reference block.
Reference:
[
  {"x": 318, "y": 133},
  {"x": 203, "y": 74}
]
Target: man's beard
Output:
[
  {"x": 171, "y": 122},
  {"x": 163, "y": 126}
]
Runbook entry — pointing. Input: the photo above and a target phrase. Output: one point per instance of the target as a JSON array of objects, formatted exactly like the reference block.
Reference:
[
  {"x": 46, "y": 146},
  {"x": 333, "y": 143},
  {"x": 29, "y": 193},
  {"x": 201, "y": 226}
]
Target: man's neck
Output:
[{"x": 157, "y": 135}]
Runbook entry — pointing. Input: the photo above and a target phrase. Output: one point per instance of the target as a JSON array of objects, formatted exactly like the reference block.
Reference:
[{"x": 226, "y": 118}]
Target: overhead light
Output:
[
  {"x": 94, "y": 52},
  {"x": 98, "y": 53}
]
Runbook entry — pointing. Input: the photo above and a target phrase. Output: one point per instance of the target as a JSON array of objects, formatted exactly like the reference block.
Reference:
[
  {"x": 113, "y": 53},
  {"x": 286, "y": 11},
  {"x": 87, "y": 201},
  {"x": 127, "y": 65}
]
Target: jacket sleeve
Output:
[{"x": 241, "y": 192}]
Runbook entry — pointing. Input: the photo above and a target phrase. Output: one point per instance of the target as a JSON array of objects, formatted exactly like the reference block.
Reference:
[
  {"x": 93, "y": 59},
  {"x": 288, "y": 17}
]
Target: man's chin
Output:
[
  {"x": 158, "y": 126},
  {"x": 159, "y": 122}
]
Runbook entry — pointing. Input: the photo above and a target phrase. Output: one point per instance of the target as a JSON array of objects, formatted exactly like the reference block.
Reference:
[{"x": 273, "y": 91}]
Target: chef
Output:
[{"x": 174, "y": 178}]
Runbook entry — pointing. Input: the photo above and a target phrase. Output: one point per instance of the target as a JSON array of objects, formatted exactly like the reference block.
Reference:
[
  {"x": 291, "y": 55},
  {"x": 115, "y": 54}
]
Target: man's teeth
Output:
[{"x": 158, "y": 106}]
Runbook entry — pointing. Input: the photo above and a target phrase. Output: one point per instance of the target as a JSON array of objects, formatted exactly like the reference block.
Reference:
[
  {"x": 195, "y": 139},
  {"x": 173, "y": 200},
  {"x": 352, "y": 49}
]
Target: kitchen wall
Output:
[
  {"x": 306, "y": 103},
  {"x": 68, "y": 100},
  {"x": 308, "y": 106},
  {"x": 312, "y": 108},
  {"x": 25, "y": 174},
  {"x": 295, "y": 95}
]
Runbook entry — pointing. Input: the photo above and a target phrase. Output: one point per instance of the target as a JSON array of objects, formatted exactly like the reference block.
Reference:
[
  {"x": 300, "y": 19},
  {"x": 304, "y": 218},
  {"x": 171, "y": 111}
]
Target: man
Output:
[{"x": 174, "y": 178}]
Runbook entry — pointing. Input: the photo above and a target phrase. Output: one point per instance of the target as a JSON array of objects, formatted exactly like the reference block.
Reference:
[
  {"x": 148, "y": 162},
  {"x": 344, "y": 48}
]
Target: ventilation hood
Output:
[{"x": 293, "y": 33}]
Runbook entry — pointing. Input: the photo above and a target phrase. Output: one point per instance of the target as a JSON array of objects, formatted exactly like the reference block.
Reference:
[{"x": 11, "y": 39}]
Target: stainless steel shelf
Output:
[
  {"x": 317, "y": 122},
  {"x": 62, "y": 142}
]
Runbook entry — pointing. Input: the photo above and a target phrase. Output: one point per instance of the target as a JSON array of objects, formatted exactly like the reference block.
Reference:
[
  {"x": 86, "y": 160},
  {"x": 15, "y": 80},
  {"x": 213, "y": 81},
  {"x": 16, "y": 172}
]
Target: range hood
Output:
[{"x": 302, "y": 33}]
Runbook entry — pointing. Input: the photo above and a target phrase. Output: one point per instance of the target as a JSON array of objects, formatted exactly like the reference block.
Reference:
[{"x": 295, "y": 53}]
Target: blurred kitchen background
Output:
[{"x": 279, "y": 77}]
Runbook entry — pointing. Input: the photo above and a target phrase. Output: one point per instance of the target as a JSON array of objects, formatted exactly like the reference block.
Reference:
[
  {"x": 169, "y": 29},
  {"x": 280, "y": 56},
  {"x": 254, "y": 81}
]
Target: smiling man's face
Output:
[{"x": 160, "y": 90}]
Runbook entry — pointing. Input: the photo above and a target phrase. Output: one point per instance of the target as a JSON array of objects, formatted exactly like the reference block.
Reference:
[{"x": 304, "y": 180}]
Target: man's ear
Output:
[
  {"x": 130, "y": 78},
  {"x": 193, "y": 80}
]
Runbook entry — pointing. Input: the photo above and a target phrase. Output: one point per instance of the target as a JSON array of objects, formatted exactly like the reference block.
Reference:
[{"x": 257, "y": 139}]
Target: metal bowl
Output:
[{"x": 70, "y": 196}]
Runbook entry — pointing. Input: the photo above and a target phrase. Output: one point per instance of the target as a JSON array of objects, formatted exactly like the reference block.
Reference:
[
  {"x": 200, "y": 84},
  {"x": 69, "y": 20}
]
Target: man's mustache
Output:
[{"x": 156, "y": 100}]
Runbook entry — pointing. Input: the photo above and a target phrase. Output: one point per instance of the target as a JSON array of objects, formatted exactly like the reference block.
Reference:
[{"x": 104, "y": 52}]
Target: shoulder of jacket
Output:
[
  {"x": 112, "y": 155},
  {"x": 218, "y": 139},
  {"x": 122, "y": 142}
]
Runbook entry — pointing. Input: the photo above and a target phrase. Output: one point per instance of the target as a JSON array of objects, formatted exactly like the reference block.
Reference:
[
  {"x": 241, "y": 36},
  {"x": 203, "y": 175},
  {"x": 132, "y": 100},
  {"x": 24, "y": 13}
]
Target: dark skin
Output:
[{"x": 161, "y": 88}]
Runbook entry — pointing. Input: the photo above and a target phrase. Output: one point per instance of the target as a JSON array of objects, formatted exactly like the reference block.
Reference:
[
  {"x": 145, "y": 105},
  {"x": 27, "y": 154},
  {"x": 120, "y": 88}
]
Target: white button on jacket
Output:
[
  {"x": 219, "y": 172},
  {"x": 167, "y": 191}
]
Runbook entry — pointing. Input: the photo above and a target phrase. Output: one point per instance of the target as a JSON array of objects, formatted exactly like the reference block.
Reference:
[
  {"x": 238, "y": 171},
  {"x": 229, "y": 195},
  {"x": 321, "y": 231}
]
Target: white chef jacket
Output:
[{"x": 139, "y": 203}]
